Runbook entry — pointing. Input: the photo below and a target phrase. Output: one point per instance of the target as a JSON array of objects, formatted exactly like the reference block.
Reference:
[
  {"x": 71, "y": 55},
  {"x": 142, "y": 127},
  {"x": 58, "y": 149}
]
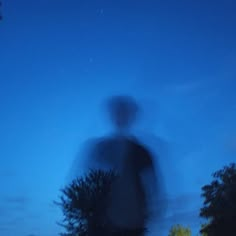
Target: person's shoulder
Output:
[
  {"x": 100, "y": 144},
  {"x": 141, "y": 153},
  {"x": 137, "y": 144}
]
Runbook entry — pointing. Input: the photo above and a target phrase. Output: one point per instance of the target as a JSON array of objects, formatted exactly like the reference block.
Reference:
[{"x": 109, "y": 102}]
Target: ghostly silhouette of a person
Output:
[
  {"x": 127, "y": 206},
  {"x": 123, "y": 153}
]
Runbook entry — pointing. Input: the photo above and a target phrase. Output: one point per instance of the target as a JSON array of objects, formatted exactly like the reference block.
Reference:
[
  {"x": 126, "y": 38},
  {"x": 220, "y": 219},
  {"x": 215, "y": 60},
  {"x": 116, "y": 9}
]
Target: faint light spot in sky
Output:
[{"x": 100, "y": 11}]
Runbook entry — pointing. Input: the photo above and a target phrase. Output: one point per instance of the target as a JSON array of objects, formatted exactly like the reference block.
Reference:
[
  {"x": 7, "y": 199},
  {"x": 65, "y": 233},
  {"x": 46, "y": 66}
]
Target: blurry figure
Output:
[
  {"x": 123, "y": 153},
  {"x": 122, "y": 112}
]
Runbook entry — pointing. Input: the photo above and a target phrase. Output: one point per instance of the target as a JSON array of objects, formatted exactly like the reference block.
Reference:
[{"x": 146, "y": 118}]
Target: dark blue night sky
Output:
[{"x": 59, "y": 60}]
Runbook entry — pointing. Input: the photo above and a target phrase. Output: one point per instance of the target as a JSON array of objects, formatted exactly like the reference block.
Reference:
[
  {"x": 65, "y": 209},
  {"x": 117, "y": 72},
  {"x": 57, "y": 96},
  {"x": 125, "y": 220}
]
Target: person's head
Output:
[{"x": 123, "y": 111}]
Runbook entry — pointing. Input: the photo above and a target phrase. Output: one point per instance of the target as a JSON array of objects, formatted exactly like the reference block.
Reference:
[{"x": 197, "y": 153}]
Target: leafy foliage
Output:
[
  {"x": 84, "y": 203},
  {"x": 203, "y": 233},
  {"x": 178, "y": 230},
  {"x": 220, "y": 203}
]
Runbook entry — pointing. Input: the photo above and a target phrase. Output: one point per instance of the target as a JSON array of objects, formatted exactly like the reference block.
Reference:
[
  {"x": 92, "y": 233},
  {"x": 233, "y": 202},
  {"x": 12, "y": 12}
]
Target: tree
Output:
[
  {"x": 84, "y": 203},
  {"x": 178, "y": 230},
  {"x": 203, "y": 233},
  {"x": 220, "y": 203}
]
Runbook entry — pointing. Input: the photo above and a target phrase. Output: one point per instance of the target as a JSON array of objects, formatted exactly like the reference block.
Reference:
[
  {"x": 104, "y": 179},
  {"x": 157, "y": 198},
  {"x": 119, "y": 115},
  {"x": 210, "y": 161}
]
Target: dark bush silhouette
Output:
[
  {"x": 84, "y": 203},
  {"x": 220, "y": 203}
]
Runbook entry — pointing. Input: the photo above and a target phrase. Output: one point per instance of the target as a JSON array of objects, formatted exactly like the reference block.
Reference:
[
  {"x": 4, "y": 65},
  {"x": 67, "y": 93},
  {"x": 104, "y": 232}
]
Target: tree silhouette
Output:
[
  {"x": 84, "y": 204},
  {"x": 178, "y": 230},
  {"x": 203, "y": 233},
  {"x": 220, "y": 203}
]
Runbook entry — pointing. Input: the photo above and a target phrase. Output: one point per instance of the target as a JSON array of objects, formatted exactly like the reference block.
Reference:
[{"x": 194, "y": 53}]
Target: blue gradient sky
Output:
[{"x": 60, "y": 59}]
